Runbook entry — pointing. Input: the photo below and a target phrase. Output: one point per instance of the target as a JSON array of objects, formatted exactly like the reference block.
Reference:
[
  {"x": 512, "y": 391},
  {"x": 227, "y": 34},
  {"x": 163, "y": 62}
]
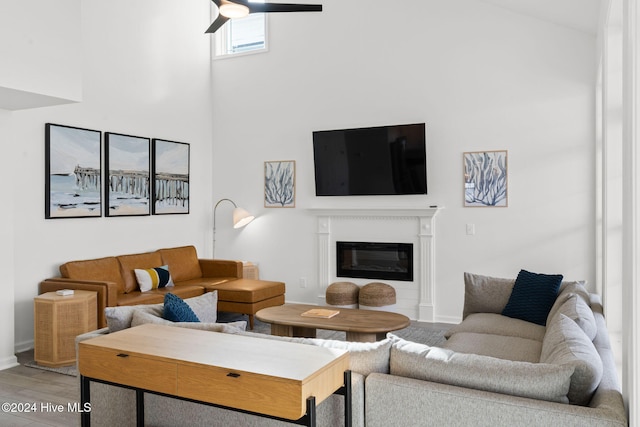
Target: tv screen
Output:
[{"x": 383, "y": 160}]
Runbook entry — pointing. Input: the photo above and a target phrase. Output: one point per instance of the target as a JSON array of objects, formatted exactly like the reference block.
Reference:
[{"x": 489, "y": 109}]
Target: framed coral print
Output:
[
  {"x": 170, "y": 177},
  {"x": 72, "y": 172},
  {"x": 127, "y": 161},
  {"x": 279, "y": 184},
  {"x": 485, "y": 179}
]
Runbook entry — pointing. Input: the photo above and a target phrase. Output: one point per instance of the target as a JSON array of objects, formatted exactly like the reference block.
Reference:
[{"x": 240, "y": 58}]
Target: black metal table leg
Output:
[
  {"x": 347, "y": 399},
  {"x": 140, "y": 408},
  {"x": 311, "y": 411},
  {"x": 85, "y": 397}
]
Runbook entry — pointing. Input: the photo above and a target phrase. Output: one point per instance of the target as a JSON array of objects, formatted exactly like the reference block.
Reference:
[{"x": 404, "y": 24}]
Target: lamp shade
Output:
[
  {"x": 241, "y": 218},
  {"x": 233, "y": 10}
]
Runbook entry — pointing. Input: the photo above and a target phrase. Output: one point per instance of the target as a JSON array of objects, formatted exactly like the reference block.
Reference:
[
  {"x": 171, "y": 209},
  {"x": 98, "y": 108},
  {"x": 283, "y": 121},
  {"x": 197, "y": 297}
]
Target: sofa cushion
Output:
[
  {"x": 364, "y": 357},
  {"x": 128, "y": 263},
  {"x": 153, "y": 278},
  {"x": 577, "y": 310},
  {"x": 119, "y": 318},
  {"x": 485, "y": 294},
  {"x": 183, "y": 262},
  {"x": 576, "y": 287},
  {"x": 184, "y": 292},
  {"x": 534, "y": 380},
  {"x": 248, "y": 290},
  {"x": 497, "y": 324},
  {"x": 498, "y": 346},
  {"x": 566, "y": 344},
  {"x": 567, "y": 288},
  {"x": 533, "y": 296},
  {"x": 176, "y": 310},
  {"x": 142, "y": 317},
  {"x": 101, "y": 269}
]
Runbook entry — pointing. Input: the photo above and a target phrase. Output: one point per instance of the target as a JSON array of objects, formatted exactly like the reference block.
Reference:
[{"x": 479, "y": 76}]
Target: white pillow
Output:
[
  {"x": 153, "y": 278},
  {"x": 205, "y": 306}
]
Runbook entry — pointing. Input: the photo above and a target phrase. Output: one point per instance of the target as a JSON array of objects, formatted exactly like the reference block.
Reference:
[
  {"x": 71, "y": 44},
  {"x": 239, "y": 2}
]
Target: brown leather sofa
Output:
[{"x": 114, "y": 281}]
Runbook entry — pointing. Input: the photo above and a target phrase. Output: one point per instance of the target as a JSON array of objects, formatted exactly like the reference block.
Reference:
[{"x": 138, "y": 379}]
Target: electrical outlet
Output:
[
  {"x": 303, "y": 282},
  {"x": 471, "y": 229}
]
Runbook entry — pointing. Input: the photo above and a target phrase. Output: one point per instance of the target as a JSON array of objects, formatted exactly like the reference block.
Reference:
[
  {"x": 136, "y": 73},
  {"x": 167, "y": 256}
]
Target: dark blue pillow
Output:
[
  {"x": 533, "y": 296},
  {"x": 176, "y": 310}
]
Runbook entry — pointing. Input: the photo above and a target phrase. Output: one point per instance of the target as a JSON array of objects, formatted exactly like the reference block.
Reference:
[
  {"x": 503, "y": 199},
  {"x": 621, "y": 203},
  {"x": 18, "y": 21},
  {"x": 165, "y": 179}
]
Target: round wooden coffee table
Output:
[{"x": 359, "y": 325}]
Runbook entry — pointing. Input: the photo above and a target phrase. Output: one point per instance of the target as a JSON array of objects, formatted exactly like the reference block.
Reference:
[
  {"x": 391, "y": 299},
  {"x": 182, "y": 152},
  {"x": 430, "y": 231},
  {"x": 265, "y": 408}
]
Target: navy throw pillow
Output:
[
  {"x": 176, "y": 310},
  {"x": 533, "y": 296}
]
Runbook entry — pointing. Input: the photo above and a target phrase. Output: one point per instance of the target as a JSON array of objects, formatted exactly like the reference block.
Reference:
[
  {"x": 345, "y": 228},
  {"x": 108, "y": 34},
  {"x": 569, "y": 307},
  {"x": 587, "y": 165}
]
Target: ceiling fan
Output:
[{"x": 240, "y": 8}]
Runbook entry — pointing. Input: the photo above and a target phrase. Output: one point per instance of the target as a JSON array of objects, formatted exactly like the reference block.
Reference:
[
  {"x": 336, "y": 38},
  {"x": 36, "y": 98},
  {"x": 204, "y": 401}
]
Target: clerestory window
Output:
[{"x": 241, "y": 36}]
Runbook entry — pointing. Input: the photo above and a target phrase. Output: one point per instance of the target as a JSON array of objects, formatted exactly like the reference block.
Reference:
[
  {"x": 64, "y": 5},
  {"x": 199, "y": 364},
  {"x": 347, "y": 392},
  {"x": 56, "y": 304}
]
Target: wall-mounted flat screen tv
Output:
[{"x": 383, "y": 160}]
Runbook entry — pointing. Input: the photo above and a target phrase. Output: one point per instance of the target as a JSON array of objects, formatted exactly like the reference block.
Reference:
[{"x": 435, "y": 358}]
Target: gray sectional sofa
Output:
[{"x": 492, "y": 371}]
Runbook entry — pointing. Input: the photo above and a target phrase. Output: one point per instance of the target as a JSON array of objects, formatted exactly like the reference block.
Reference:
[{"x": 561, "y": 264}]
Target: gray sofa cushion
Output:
[
  {"x": 566, "y": 344},
  {"x": 119, "y": 318},
  {"x": 576, "y": 309},
  {"x": 497, "y": 324},
  {"x": 535, "y": 380},
  {"x": 485, "y": 294},
  {"x": 499, "y": 346},
  {"x": 567, "y": 288},
  {"x": 204, "y": 306},
  {"x": 142, "y": 317}
]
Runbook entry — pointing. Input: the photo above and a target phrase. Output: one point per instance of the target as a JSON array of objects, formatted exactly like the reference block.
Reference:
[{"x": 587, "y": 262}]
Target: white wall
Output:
[
  {"x": 41, "y": 57},
  {"x": 7, "y": 358},
  {"x": 482, "y": 78},
  {"x": 146, "y": 72}
]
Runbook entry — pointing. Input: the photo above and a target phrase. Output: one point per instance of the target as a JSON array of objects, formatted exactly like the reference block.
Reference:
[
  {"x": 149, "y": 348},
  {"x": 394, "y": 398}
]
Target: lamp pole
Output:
[{"x": 214, "y": 221}]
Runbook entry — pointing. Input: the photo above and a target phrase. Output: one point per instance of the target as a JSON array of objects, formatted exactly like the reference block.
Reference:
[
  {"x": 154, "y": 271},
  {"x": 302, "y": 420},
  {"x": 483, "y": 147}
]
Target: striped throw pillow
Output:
[{"x": 153, "y": 278}]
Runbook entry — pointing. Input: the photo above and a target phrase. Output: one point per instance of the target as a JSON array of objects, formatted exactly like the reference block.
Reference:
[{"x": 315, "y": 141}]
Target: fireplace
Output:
[
  {"x": 371, "y": 260},
  {"x": 389, "y": 224}
]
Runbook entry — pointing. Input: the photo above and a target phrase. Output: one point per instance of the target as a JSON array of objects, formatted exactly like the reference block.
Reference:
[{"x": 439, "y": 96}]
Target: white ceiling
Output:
[{"x": 581, "y": 15}]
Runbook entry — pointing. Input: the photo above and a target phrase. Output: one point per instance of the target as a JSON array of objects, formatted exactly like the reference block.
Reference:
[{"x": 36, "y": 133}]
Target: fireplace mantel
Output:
[{"x": 420, "y": 223}]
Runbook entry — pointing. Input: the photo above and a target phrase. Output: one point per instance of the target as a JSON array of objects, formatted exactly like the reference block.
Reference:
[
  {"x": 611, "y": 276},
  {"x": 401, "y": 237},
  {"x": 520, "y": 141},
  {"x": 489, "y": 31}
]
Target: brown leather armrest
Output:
[
  {"x": 107, "y": 292},
  {"x": 220, "y": 268}
]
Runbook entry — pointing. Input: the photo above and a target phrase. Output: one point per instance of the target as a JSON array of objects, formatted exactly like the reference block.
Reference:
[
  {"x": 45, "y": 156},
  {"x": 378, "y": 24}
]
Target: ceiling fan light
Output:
[{"x": 233, "y": 10}]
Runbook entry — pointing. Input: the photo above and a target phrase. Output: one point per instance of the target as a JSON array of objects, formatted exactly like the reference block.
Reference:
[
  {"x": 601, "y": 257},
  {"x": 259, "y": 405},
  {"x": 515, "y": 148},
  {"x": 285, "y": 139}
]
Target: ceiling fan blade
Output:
[
  {"x": 282, "y": 7},
  {"x": 219, "y": 22}
]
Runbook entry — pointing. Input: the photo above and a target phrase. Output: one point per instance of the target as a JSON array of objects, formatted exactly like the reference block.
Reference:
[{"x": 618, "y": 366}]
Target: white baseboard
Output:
[
  {"x": 8, "y": 362},
  {"x": 23, "y": 346},
  {"x": 448, "y": 319}
]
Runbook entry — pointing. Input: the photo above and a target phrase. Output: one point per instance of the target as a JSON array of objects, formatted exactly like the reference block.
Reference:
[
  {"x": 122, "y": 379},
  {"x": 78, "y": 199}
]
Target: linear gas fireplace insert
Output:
[{"x": 371, "y": 260}]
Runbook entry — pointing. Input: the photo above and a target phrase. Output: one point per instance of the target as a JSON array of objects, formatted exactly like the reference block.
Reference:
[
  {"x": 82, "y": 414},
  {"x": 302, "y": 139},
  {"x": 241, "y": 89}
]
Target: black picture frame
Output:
[
  {"x": 171, "y": 171},
  {"x": 73, "y": 174},
  {"x": 127, "y": 183}
]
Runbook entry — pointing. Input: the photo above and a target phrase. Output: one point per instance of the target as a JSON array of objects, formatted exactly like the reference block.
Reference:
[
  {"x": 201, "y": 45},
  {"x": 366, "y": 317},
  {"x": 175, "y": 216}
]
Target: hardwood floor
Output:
[{"x": 43, "y": 392}]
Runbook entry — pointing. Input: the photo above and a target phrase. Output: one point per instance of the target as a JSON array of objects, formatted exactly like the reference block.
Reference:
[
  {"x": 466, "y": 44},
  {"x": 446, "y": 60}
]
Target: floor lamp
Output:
[{"x": 240, "y": 218}]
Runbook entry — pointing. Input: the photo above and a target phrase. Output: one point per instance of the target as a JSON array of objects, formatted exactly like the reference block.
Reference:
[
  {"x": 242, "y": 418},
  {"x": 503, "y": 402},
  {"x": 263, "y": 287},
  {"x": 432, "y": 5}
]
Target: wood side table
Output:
[{"x": 57, "y": 321}]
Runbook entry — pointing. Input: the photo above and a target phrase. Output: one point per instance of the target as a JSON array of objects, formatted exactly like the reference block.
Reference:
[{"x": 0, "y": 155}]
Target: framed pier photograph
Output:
[
  {"x": 170, "y": 177},
  {"x": 127, "y": 161},
  {"x": 72, "y": 172}
]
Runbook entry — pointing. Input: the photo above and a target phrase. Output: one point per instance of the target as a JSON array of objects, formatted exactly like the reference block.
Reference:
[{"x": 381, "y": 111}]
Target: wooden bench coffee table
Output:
[
  {"x": 360, "y": 325},
  {"x": 281, "y": 380}
]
